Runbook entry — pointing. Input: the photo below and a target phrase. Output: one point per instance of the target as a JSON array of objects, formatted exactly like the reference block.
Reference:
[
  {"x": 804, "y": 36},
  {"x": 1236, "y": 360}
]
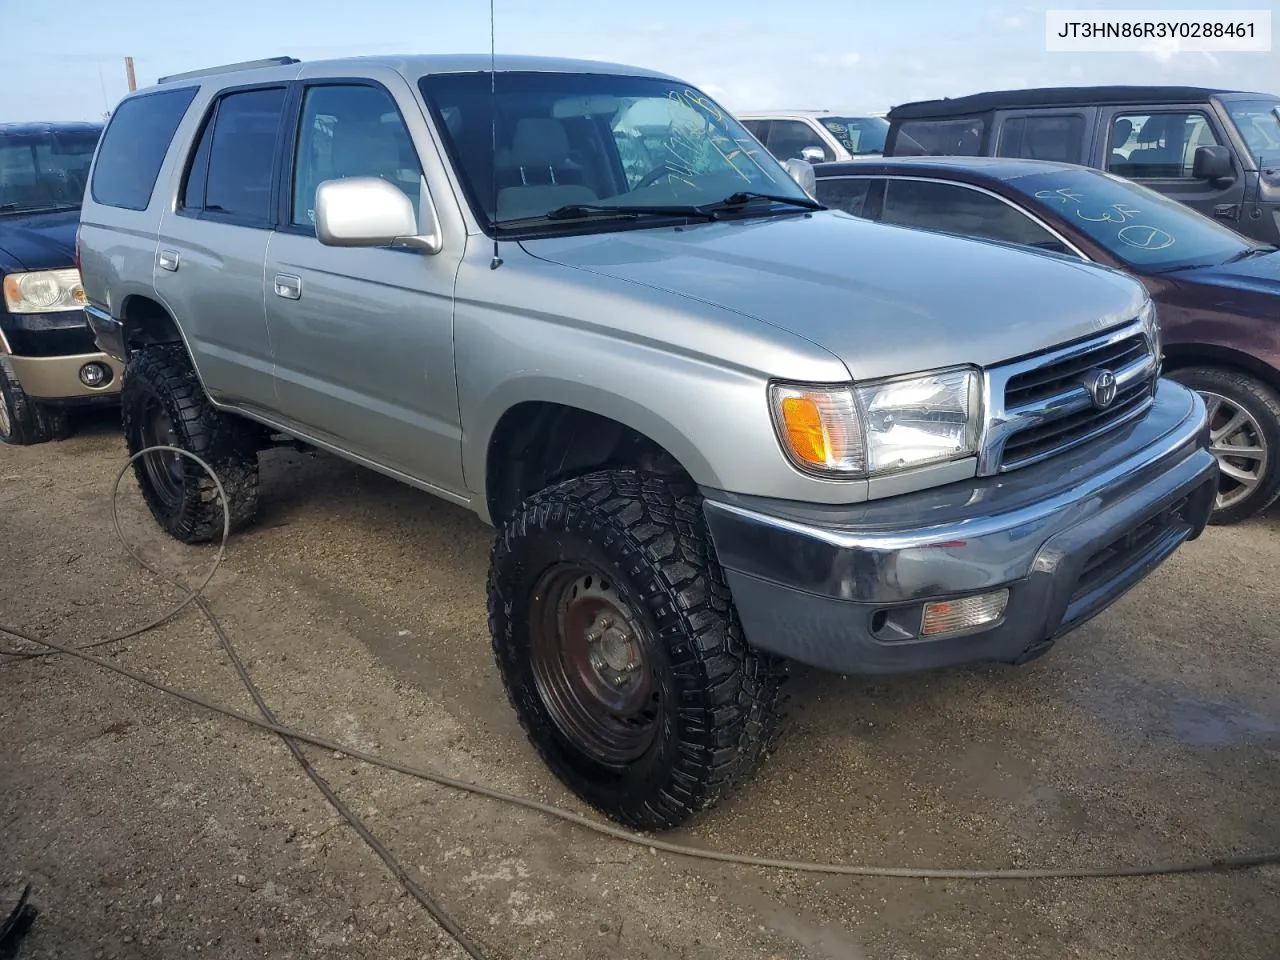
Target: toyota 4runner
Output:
[{"x": 715, "y": 425}]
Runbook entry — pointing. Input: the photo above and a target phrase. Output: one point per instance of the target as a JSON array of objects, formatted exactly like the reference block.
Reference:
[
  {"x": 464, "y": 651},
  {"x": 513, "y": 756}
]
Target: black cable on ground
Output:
[{"x": 1213, "y": 864}]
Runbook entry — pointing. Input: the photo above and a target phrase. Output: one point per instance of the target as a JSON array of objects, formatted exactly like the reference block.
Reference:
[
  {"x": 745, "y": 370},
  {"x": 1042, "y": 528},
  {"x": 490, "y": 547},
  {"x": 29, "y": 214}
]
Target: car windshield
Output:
[
  {"x": 591, "y": 140},
  {"x": 44, "y": 169},
  {"x": 1134, "y": 223},
  {"x": 858, "y": 135},
  {"x": 1259, "y": 124}
]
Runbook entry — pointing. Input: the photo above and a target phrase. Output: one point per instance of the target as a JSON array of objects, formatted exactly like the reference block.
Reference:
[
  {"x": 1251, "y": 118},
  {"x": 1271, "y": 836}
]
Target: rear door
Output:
[
  {"x": 363, "y": 336},
  {"x": 1156, "y": 145},
  {"x": 209, "y": 258}
]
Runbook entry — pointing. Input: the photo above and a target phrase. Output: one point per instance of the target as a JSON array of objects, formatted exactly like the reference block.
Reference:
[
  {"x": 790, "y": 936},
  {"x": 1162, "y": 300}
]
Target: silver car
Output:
[{"x": 716, "y": 426}]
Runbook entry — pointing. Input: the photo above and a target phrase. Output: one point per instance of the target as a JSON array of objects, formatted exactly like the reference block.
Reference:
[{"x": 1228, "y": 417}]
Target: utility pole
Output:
[{"x": 128, "y": 69}]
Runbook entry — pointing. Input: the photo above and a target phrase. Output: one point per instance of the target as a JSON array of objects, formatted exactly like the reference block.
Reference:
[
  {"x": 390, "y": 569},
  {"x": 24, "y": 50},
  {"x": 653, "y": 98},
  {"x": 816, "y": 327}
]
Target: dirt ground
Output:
[{"x": 152, "y": 829}]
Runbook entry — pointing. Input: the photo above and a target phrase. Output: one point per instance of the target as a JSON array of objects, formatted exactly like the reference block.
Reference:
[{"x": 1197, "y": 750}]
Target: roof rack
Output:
[{"x": 229, "y": 67}]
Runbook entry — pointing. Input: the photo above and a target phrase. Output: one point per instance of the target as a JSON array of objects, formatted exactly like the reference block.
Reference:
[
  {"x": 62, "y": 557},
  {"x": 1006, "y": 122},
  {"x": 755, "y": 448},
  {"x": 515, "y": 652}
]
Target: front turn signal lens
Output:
[
  {"x": 820, "y": 428},
  {"x": 943, "y": 617}
]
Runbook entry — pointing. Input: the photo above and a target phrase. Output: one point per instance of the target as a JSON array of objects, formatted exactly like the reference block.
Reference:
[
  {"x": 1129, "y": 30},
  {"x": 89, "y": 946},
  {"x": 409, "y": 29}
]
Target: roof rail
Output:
[{"x": 229, "y": 67}]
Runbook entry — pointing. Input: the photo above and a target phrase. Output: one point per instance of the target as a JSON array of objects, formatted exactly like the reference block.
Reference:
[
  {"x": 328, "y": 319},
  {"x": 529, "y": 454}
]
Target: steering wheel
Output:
[{"x": 652, "y": 177}]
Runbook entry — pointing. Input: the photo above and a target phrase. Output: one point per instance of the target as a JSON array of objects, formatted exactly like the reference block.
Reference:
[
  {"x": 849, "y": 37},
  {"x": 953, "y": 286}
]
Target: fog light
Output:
[
  {"x": 955, "y": 616},
  {"x": 95, "y": 374}
]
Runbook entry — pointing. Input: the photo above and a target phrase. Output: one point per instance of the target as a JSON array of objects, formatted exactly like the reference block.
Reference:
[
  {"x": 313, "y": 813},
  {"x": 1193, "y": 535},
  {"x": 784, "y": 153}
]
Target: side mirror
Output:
[
  {"x": 369, "y": 212},
  {"x": 1212, "y": 163},
  {"x": 801, "y": 172},
  {"x": 813, "y": 155}
]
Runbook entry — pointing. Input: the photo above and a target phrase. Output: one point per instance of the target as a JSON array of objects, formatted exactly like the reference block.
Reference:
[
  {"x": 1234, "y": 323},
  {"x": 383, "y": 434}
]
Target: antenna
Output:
[{"x": 496, "y": 262}]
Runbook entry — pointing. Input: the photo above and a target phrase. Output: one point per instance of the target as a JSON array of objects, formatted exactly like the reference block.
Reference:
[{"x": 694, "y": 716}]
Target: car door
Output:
[
  {"x": 966, "y": 210},
  {"x": 209, "y": 257},
  {"x": 363, "y": 336},
  {"x": 1156, "y": 146},
  {"x": 789, "y": 138}
]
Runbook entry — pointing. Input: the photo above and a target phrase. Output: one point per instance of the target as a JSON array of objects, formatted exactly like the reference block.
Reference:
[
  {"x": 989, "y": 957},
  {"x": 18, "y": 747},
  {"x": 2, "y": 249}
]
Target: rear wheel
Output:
[
  {"x": 621, "y": 651},
  {"x": 163, "y": 404},
  {"x": 1244, "y": 425},
  {"x": 23, "y": 421}
]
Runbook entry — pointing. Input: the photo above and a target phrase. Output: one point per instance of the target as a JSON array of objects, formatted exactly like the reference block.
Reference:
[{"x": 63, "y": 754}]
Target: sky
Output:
[{"x": 65, "y": 60}]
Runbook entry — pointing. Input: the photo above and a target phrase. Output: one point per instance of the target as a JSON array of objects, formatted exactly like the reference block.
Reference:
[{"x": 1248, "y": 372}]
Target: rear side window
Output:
[
  {"x": 844, "y": 193},
  {"x": 134, "y": 145},
  {"x": 241, "y": 156},
  {"x": 940, "y": 138},
  {"x": 1059, "y": 137}
]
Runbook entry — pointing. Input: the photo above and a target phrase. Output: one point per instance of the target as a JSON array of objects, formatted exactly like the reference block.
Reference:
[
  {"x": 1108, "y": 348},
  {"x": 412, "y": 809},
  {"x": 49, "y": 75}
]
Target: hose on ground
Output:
[{"x": 269, "y": 723}]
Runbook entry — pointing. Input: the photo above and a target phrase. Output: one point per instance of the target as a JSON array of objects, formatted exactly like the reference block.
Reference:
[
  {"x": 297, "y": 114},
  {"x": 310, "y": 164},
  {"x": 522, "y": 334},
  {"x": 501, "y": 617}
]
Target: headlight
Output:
[
  {"x": 43, "y": 291},
  {"x": 1151, "y": 320},
  {"x": 882, "y": 427}
]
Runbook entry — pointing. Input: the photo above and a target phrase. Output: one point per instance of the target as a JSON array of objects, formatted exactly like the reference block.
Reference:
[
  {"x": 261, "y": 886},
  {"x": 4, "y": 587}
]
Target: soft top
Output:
[{"x": 1049, "y": 97}]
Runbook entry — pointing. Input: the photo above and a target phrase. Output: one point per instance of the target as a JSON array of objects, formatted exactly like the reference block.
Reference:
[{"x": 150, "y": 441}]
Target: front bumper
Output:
[
  {"x": 842, "y": 588},
  {"x": 57, "y": 379}
]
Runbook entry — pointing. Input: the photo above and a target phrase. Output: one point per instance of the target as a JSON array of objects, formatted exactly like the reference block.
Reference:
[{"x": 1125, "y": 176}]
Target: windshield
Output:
[
  {"x": 1132, "y": 222},
  {"x": 594, "y": 139},
  {"x": 858, "y": 135},
  {"x": 44, "y": 170},
  {"x": 1259, "y": 125}
]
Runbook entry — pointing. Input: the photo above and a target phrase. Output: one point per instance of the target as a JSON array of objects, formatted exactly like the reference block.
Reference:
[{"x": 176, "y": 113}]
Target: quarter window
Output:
[
  {"x": 940, "y": 138},
  {"x": 952, "y": 208},
  {"x": 844, "y": 193},
  {"x": 1059, "y": 137},
  {"x": 134, "y": 146},
  {"x": 1158, "y": 145},
  {"x": 351, "y": 130}
]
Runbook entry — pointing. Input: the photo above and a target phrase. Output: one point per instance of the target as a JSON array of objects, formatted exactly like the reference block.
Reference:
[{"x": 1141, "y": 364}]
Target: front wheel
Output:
[
  {"x": 23, "y": 421},
  {"x": 621, "y": 651},
  {"x": 1244, "y": 425}
]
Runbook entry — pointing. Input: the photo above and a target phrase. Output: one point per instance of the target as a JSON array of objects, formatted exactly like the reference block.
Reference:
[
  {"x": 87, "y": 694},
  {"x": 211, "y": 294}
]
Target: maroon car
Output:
[{"x": 1217, "y": 292}]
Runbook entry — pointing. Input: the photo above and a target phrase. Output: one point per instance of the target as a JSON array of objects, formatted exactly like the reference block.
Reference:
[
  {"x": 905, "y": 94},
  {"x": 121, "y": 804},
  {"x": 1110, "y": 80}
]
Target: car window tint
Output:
[
  {"x": 1158, "y": 145},
  {"x": 940, "y": 138},
  {"x": 1059, "y": 137},
  {"x": 351, "y": 130},
  {"x": 758, "y": 129},
  {"x": 192, "y": 197},
  {"x": 953, "y": 208},
  {"x": 134, "y": 145},
  {"x": 844, "y": 193},
  {"x": 242, "y": 154},
  {"x": 788, "y": 137}
]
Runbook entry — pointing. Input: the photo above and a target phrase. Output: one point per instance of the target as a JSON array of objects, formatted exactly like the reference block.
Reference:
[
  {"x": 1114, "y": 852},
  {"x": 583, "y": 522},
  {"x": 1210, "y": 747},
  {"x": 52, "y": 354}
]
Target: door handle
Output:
[
  {"x": 288, "y": 286},
  {"x": 168, "y": 260}
]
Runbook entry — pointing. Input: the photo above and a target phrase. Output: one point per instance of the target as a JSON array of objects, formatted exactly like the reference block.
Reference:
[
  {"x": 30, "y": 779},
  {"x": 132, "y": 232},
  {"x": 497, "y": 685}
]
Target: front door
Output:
[
  {"x": 363, "y": 337},
  {"x": 1156, "y": 146}
]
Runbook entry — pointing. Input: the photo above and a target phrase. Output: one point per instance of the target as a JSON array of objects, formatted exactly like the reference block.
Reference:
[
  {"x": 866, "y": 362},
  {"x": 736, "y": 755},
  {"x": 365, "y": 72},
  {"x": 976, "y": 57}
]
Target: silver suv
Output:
[{"x": 716, "y": 426}]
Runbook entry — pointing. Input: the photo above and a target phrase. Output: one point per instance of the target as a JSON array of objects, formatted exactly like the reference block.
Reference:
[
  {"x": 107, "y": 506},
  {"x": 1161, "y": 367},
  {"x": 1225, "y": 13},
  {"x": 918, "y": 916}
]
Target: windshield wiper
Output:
[
  {"x": 1253, "y": 252},
  {"x": 579, "y": 211},
  {"x": 743, "y": 197}
]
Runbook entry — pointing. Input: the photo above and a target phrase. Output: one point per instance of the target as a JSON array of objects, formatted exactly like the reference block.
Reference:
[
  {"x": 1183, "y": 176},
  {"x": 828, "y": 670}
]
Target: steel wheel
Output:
[
  {"x": 1239, "y": 443},
  {"x": 590, "y": 665},
  {"x": 163, "y": 467}
]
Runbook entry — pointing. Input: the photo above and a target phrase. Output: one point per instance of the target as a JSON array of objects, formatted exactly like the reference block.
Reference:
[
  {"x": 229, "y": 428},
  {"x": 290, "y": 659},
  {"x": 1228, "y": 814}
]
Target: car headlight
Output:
[
  {"x": 43, "y": 291},
  {"x": 865, "y": 430},
  {"x": 1151, "y": 321}
]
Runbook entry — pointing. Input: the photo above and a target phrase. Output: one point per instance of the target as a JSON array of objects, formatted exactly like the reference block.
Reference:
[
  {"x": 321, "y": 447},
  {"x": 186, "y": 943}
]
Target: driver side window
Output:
[{"x": 351, "y": 130}]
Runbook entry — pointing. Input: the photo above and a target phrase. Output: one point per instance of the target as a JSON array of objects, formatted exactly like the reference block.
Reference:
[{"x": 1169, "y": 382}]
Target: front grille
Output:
[
  {"x": 1047, "y": 407},
  {"x": 1116, "y": 557},
  {"x": 64, "y": 342}
]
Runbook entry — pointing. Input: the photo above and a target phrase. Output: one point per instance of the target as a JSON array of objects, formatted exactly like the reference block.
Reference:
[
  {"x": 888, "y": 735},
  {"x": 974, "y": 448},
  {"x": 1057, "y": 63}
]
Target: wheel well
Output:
[
  {"x": 146, "y": 322},
  {"x": 536, "y": 444},
  {"x": 1180, "y": 356}
]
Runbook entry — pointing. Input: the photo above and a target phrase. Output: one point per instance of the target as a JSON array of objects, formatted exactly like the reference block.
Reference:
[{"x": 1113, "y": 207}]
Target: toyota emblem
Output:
[{"x": 1101, "y": 385}]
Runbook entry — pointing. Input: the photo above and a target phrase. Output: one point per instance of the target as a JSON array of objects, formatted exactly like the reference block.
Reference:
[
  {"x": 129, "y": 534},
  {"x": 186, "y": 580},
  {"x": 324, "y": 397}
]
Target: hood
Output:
[
  {"x": 1256, "y": 276},
  {"x": 39, "y": 241},
  {"x": 886, "y": 300}
]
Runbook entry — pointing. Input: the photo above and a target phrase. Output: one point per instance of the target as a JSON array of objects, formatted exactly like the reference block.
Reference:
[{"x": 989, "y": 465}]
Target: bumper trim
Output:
[
  {"x": 58, "y": 378},
  {"x": 108, "y": 333}
]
